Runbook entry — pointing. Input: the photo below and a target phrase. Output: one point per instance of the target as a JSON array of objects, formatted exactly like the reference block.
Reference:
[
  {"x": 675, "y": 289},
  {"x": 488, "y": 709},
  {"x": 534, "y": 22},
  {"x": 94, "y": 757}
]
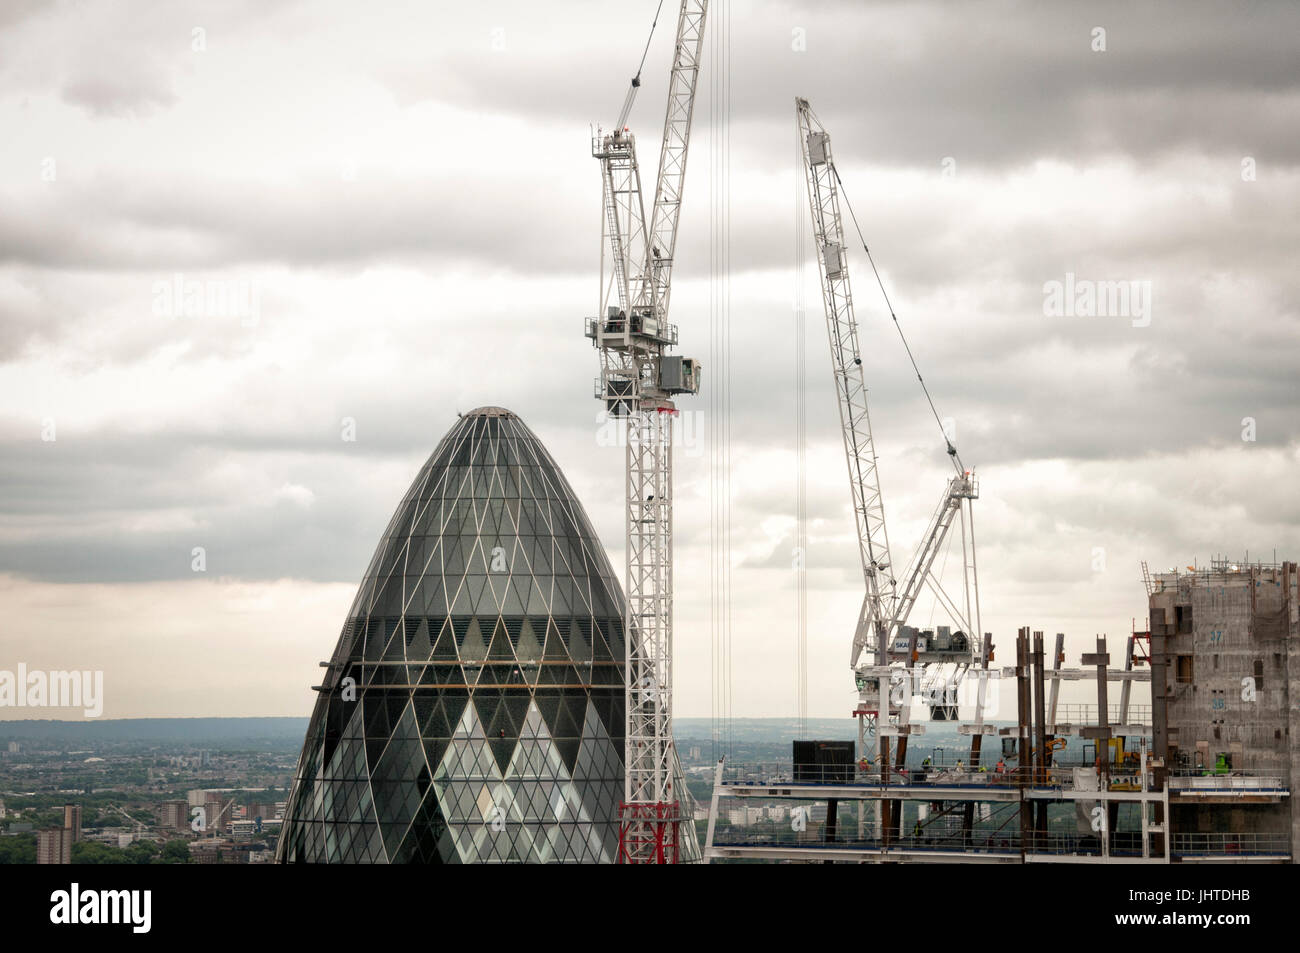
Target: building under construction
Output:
[
  {"x": 1202, "y": 774},
  {"x": 1224, "y": 651}
]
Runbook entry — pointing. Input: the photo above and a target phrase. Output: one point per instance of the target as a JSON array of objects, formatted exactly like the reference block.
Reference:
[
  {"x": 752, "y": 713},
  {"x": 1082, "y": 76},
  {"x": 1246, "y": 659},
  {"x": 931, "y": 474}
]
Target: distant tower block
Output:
[{"x": 72, "y": 822}]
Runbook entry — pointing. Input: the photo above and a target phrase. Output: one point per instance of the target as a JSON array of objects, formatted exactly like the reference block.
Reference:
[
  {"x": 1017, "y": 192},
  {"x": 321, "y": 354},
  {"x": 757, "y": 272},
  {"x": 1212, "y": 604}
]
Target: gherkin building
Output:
[{"x": 472, "y": 711}]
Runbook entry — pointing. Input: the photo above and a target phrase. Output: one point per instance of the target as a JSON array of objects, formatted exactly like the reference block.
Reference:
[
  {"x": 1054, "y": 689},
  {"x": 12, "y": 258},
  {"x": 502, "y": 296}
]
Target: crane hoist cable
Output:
[
  {"x": 636, "y": 80},
  {"x": 952, "y": 451}
]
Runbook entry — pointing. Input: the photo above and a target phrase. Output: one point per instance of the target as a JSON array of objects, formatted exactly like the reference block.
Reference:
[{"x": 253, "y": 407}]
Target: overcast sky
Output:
[{"x": 407, "y": 188}]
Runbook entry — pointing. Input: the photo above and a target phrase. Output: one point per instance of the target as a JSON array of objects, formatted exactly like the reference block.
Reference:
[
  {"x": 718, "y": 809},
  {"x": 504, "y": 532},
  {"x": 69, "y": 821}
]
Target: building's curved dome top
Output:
[
  {"x": 472, "y": 709},
  {"x": 490, "y": 527}
]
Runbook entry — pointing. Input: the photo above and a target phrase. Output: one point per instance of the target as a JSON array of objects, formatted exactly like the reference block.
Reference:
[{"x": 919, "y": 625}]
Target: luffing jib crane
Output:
[
  {"x": 880, "y": 633},
  {"x": 638, "y": 381}
]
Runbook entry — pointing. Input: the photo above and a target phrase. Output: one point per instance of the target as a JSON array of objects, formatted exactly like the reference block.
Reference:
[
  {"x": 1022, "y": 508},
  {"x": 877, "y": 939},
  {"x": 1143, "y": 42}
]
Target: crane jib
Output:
[{"x": 886, "y": 606}]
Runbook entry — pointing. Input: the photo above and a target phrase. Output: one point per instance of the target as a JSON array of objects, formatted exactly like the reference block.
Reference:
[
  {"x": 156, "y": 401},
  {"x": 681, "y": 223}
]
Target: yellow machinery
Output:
[
  {"x": 1125, "y": 767},
  {"x": 1053, "y": 745}
]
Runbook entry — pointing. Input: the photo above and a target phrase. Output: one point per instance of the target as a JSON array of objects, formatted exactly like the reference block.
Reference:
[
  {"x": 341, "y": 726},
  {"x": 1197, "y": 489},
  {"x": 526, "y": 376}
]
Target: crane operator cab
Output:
[{"x": 679, "y": 375}]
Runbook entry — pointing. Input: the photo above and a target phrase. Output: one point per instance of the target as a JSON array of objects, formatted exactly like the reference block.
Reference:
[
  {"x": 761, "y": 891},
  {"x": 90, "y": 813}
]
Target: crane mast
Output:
[
  {"x": 885, "y": 608},
  {"x": 637, "y": 384}
]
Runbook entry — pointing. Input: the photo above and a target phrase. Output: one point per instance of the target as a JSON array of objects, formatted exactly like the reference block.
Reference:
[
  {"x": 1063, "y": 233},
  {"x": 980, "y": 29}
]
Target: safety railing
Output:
[
  {"x": 775, "y": 774},
  {"x": 757, "y": 772},
  {"x": 1058, "y": 776},
  {"x": 1258, "y": 844},
  {"x": 1208, "y": 575},
  {"x": 1120, "y": 844},
  {"x": 806, "y": 826},
  {"x": 594, "y": 328},
  {"x": 1197, "y": 771},
  {"x": 1086, "y": 714},
  {"x": 795, "y": 832},
  {"x": 1221, "y": 779}
]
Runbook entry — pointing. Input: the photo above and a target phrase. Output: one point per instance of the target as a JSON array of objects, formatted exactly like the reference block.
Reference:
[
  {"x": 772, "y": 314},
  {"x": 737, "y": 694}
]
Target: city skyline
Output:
[{"x": 254, "y": 261}]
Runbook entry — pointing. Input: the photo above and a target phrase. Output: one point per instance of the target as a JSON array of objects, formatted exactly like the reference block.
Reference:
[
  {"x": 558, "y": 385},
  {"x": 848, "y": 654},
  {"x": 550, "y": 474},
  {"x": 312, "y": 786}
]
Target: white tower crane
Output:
[
  {"x": 886, "y": 606},
  {"x": 638, "y": 379}
]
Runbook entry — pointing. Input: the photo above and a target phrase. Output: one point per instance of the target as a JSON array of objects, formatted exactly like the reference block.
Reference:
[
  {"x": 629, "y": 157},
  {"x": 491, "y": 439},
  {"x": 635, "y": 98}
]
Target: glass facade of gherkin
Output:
[{"x": 472, "y": 711}]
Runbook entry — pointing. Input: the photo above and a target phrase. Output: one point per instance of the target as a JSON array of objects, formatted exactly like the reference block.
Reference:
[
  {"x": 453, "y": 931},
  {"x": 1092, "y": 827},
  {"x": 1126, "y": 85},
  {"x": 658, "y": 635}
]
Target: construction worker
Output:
[
  {"x": 916, "y": 831},
  {"x": 1000, "y": 767},
  {"x": 960, "y": 767}
]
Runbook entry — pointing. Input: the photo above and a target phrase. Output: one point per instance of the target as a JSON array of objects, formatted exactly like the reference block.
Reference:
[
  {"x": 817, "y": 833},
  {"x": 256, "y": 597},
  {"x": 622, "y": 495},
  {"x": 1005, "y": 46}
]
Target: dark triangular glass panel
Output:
[
  {"x": 548, "y": 703},
  {"x": 555, "y": 649},
  {"x": 454, "y": 701},
  {"x": 435, "y": 595},
  {"x": 419, "y": 646},
  {"x": 377, "y": 724},
  {"x": 445, "y": 648},
  {"x": 568, "y": 748},
  {"x": 445, "y": 674},
  {"x": 502, "y": 647},
  {"x": 604, "y": 703},
  {"x": 599, "y": 647},
  {"x": 435, "y": 749},
  {"x": 528, "y": 647},
  {"x": 424, "y": 705},
  {"x": 517, "y": 703},
  {"x": 474, "y": 646},
  {"x": 502, "y": 747}
]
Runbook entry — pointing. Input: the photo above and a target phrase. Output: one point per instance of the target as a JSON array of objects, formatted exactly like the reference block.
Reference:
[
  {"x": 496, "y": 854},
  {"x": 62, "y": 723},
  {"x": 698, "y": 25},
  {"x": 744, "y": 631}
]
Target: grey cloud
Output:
[
  {"x": 1176, "y": 101},
  {"x": 114, "y": 64},
  {"x": 119, "y": 222},
  {"x": 15, "y": 12},
  {"x": 125, "y": 89},
  {"x": 992, "y": 83}
]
